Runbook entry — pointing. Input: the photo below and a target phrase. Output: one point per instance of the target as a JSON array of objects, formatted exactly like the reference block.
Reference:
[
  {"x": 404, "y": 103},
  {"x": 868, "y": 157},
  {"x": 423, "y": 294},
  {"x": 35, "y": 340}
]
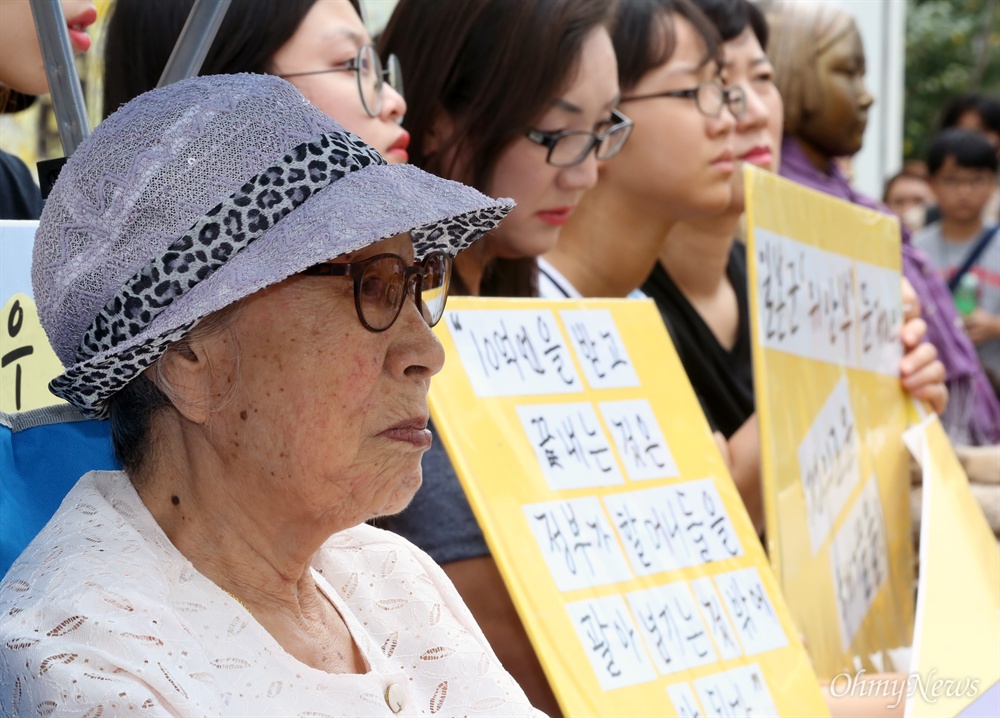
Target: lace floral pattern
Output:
[{"x": 102, "y": 616}]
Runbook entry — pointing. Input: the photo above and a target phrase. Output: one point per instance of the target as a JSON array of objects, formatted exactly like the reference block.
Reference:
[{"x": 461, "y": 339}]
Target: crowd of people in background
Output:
[{"x": 619, "y": 130}]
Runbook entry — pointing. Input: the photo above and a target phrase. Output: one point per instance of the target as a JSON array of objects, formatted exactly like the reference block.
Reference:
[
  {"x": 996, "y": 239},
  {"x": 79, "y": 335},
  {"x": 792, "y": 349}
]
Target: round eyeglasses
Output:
[
  {"x": 371, "y": 76},
  {"x": 571, "y": 147},
  {"x": 709, "y": 97},
  {"x": 382, "y": 282}
]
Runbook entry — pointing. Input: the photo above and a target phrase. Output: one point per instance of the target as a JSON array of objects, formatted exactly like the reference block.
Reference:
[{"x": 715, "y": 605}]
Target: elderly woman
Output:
[{"x": 246, "y": 291}]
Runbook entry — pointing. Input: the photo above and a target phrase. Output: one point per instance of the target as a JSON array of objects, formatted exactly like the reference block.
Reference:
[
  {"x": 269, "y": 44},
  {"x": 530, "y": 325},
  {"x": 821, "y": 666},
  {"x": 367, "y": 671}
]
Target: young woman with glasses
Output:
[
  {"x": 320, "y": 47},
  {"x": 519, "y": 99},
  {"x": 676, "y": 193}
]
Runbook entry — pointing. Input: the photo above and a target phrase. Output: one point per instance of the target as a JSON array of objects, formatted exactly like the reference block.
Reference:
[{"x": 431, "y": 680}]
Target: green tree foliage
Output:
[{"x": 952, "y": 46}]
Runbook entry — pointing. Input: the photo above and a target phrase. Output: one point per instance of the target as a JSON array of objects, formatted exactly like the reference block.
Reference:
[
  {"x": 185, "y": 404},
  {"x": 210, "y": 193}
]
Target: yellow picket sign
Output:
[
  {"x": 956, "y": 643},
  {"x": 609, "y": 510},
  {"x": 27, "y": 361},
  {"x": 826, "y": 313}
]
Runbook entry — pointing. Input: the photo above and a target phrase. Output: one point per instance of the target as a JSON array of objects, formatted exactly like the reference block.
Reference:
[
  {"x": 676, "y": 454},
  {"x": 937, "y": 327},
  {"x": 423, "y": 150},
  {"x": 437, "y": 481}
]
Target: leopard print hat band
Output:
[{"x": 323, "y": 194}]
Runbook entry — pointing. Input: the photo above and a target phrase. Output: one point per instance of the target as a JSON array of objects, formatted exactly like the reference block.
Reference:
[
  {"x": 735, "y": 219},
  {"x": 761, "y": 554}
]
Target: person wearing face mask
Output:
[
  {"x": 322, "y": 48},
  {"x": 677, "y": 195},
  {"x": 819, "y": 69},
  {"x": 516, "y": 98},
  {"x": 22, "y": 71}
]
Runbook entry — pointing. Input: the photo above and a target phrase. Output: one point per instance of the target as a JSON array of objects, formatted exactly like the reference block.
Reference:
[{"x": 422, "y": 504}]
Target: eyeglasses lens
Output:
[
  {"x": 613, "y": 141},
  {"x": 370, "y": 80},
  {"x": 381, "y": 292},
  {"x": 434, "y": 286},
  {"x": 709, "y": 98}
]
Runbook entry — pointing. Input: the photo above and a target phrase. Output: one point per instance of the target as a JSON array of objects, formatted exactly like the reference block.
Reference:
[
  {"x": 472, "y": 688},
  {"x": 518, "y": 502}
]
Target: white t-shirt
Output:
[
  {"x": 101, "y": 615},
  {"x": 553, "y": 285}
]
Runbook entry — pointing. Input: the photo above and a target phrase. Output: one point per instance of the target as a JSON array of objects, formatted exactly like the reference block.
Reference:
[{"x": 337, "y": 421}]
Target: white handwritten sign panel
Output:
[
  {"x": 599, "y": 348},
  {"x": 611, "y": 642},
  {"x": 570, "y": 444},
  {"x": 859, "y": 560},
  {"x": 513, "y": 352},
  {"x": 740, "y": 692},
  {"x": 577, "y": 542},
  {"x": 715, "y": 617},
  {"x": 685, "y": 703},
  {"x": 751, "y": 610},
  {"x": 639, "y": 440},
  {"x": 828, "y": 463},
  {"x": 881, "y": 319},
  {"x": 670, "y": 527},
  {"x": 672, "y": 627}
]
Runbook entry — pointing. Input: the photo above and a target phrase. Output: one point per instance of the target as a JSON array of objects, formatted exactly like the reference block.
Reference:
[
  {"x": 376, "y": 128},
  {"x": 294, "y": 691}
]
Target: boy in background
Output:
[{"x": 963, "y": 175}]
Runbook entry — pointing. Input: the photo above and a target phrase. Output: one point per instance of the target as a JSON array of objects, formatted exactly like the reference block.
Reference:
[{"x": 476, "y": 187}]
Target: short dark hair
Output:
[
  {"x": 495, "y": 67},
  {"x": 732, "y": 17},
  {"x": 901, "y": 175},
  {"x": 141, "y": 34},
  {"x": 644, "y": 37},
  {"x": 970, "y": 149},
  {"x": 986, "y": 106}
]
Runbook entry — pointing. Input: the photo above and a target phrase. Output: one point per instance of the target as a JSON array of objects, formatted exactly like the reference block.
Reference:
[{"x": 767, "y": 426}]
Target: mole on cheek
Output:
[
  {"x": 243, "y": 415},
  {"x": 175, "y": 500}
]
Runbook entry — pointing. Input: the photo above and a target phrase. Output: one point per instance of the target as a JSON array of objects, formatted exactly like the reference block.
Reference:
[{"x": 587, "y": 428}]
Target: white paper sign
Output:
[
  {"x": 513, "y": 352},
  {"x": 672, "y": 627},
  {"x": 751, "y": 610},
  {"x": 577, "y": 542},
  {"x": 685, "y": 704},
  {"x": 639, "y": 440},
  {"x": 812, "y": 305},
  {"x": 670, "y": 527},
  {"x": 599, "y": 348},
  {"x": 611, "y": 642},
  {"x": 739, "y": 692},
  {"x": 570, "y": 444},
  {"x": 715, "y": 617},
  {"x": 859, "y": 560},
  {"x": 828, "y": 463}
]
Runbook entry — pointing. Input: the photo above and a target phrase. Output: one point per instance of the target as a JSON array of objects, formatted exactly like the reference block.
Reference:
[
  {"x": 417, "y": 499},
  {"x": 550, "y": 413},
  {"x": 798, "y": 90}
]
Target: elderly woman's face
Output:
[{"x": 329, "y": 419}]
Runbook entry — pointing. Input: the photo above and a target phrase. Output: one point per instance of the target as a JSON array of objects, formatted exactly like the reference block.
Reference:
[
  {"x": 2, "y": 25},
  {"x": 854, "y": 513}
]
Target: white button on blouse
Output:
[{"x": 395, "y": 696}]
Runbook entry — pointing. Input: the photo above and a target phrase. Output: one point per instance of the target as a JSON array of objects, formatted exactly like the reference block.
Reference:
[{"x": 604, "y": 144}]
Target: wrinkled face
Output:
[
  {"x": 329, "y": 35},
  {"x": 962, "y": 192},
  {"x": 837, "y": 126},
  {"x": 757, "y": 139},
  {"x": 327, "y": 421},
  {"x": 909, "y": 198},
  {"x": 546, "y": 195},
  {"x": 21, "y": 65},
  {"x": 678, "y": 161}
]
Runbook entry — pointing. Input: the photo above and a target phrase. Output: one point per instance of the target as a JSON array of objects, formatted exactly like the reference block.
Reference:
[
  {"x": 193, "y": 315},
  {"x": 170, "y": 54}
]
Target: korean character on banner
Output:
[
  {"x": 610, "y": 639},
  {"x": 631, "y": 532},
  {"x": 545, "y": 441},
  {"x": 719, "y": 524},
  {"x": 665, "y": 530},
  {"x": 685, "y": 704},
  {"x": 12, "y": 328},
  {"x": 600, "y": 454},
  {"x": 558, "y": 542},
  {"x": 694, "y": 524},
  {"x": 672, "y": 627},
  {"x": 738, "y": 608},
  {"x": 526, "y": 350},
  {"x": 587, "y": 346},
  {"x": 714, "y": 615},
  {"x": 554, "y": 351}
]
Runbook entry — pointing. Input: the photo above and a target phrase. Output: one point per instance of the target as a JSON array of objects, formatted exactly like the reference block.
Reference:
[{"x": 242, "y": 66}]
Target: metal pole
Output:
[
  {"x": 195, "y": 40},
  {"x": 60, "y": 69}
]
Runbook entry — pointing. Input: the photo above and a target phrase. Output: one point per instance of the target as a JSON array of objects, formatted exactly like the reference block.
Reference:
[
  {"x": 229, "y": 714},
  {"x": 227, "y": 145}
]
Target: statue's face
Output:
[{"x": 837, "y": 126}]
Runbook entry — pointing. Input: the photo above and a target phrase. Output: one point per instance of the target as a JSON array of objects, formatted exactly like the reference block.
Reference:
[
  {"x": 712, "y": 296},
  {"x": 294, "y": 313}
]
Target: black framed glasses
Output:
[
  {"x": 382, "y": 282},
  {"x": 709, "y": 97},
  {"x": 571, "y": 147},
  {"x": 372, "y": 77}
]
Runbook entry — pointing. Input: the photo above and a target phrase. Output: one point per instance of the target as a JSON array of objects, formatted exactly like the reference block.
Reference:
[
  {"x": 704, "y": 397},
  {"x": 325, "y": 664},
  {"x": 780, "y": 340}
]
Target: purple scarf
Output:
[{"x": 973, "y": 414}]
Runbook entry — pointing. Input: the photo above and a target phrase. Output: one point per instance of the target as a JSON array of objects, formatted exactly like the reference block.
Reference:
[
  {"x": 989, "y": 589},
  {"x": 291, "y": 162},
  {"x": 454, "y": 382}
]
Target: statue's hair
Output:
[{"x": 799, "y": 33}]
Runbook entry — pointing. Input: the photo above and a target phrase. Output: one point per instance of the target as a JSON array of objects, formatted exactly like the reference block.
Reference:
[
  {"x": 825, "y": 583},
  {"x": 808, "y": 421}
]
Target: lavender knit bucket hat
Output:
[{"x": 196, "y": 195}]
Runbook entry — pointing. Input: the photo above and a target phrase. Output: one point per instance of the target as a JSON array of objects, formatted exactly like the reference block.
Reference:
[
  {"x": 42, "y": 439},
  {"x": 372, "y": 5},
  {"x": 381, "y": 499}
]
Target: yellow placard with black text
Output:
[
  {"x": 27, "y": 361},
  {"x": 610, "y": 512},
  {"x": 826, "y": 313}
]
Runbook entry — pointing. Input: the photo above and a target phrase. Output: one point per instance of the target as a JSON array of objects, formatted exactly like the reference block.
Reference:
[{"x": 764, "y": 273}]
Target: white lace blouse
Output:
[{"x": 102, "y": 616}]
